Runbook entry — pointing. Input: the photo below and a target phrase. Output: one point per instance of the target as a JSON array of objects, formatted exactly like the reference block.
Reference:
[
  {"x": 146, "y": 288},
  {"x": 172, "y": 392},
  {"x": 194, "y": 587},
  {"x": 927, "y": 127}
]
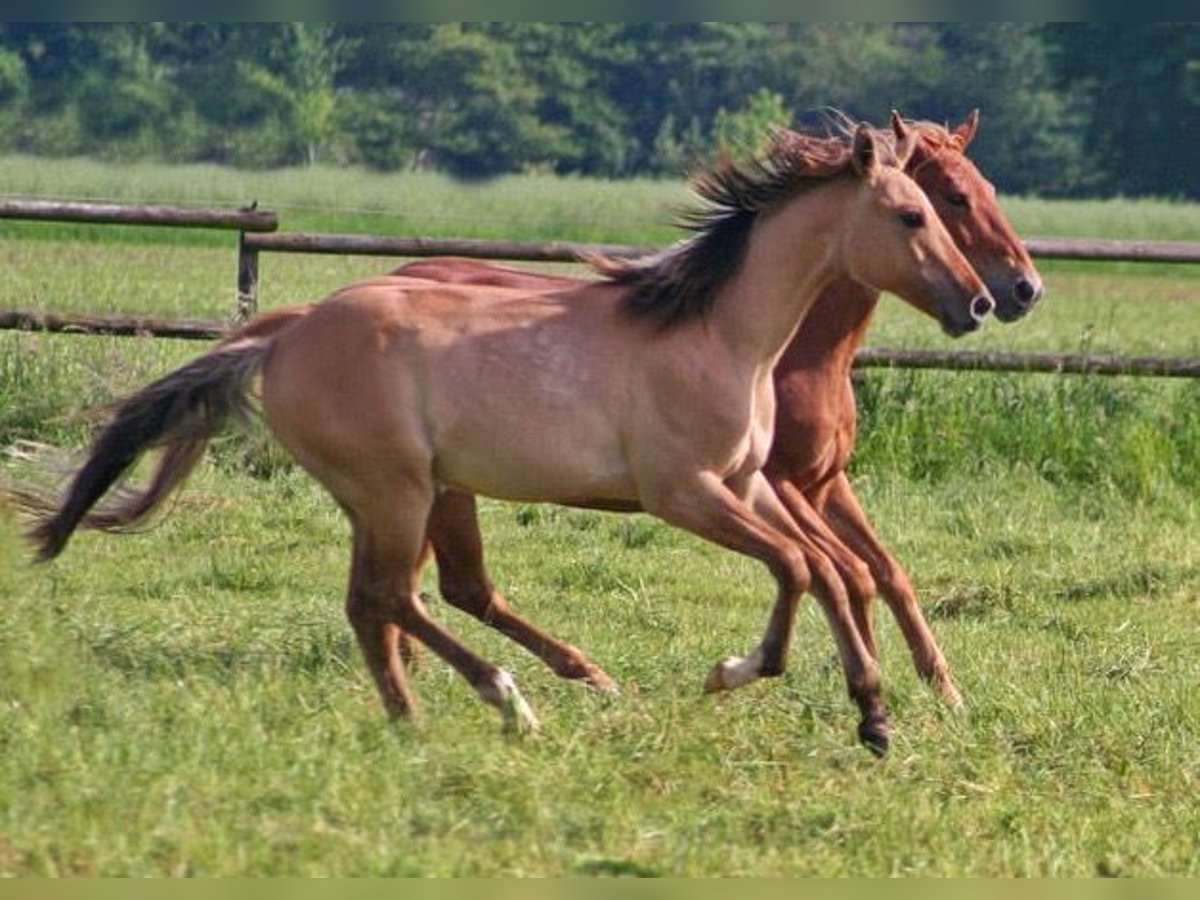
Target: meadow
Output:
[{"x": 190, "y": 700}]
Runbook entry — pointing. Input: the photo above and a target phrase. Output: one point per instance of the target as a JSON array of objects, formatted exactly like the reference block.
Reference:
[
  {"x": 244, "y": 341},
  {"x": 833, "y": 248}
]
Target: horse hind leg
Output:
[
  {"x": 494, "y": 686},
  {"x": 369, "y": 608},
  {"x": 464, "y": 582},
  {"x": 385, "y": 610}
]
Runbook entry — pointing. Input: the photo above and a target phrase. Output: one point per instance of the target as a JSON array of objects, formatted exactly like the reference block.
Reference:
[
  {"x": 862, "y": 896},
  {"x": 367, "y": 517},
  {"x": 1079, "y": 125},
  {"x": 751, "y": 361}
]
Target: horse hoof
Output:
[
  {"x": 517, "y": 713},
  {"x": 519, "y": 719},
  {"x": 952, "y": 698},
  {"x": 714, "y": 684},
  {"x": 875, "y": 736},
  {"x": 601, "y": 683},
  {"x": 731, "y": 673}
]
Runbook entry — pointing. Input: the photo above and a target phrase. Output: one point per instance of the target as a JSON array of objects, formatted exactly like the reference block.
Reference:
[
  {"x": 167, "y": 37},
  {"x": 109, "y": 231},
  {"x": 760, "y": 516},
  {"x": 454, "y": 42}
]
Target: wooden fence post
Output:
[{"x": 247, "y": 282}]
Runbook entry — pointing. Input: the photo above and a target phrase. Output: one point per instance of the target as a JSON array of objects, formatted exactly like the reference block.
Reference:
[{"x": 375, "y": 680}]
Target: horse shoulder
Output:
[{"x": 723, "y": 413}]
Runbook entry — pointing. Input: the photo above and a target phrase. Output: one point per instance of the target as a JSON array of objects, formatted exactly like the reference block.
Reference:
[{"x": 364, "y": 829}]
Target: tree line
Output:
[{"x": 1069, "y": 109}]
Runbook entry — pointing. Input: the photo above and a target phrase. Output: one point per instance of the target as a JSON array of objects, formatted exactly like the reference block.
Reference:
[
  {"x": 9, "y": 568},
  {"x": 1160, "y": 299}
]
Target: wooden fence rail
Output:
[
  {"x": 247, "y": 219},
  {"x": 1115, "y": 251},
  {"x": 257, "y": 233},
  {"x": 1057, "y": 363},
  {"x": 111, "y": 325}
]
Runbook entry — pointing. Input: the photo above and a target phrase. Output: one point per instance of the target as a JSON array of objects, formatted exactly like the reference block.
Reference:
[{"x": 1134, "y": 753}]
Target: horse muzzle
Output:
[
  {"x": 956, "y": 324},
  {"x": 1020, "y": 298}
]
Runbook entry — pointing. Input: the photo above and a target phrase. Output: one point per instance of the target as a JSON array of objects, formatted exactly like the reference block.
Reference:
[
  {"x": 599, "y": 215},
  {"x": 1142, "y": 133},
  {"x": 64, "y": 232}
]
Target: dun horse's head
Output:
[
  {"x": 965, "y": 201},
  {"x": 895, "y": 242}
]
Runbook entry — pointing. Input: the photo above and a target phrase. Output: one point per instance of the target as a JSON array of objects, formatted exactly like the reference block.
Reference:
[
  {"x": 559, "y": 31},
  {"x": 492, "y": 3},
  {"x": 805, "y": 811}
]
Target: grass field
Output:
[{"x": 190, "y": 700}]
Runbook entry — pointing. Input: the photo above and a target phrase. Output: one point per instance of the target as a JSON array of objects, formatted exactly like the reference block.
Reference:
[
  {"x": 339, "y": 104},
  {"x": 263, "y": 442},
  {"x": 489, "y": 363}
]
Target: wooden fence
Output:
[{"x": 257, "y": 233}]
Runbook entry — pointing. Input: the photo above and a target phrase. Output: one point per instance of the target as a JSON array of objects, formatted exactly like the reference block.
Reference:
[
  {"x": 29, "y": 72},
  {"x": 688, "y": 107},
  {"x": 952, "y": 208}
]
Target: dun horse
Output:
[
  {"x": 815, "y": 421},
  {"x": 650, "y": 390}
]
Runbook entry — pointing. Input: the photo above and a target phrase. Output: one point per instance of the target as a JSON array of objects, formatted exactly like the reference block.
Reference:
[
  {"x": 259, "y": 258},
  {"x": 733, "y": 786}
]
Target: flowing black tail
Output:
[{"x": 180, "y": 412}]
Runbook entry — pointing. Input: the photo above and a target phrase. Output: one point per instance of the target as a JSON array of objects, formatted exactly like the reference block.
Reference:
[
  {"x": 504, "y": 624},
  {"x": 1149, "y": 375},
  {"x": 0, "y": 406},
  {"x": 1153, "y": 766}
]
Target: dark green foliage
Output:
[
  {"x": 1068, "y": 108},
  {"x": 1138, "y": 85}
]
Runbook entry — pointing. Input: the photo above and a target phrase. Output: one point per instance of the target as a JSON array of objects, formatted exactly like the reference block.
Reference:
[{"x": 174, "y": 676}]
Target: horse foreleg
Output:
[
  {"x": 754, "y": 522},
  {"x": 453, "y": 530},
  {"x": 854, "y": 572},
  {"x": 840, "y": 507},
  {"x": 854, "y": 642},
  {"x": 409, "y": 649}
]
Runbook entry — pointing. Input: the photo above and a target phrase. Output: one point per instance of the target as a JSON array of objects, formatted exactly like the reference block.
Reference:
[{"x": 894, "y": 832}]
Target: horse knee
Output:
[
  {"x": 829, "y": 583},
  {"x": 792, "y": 571},
  {"x": 858, "y": 578},
  {"x": 894, "y": 583}
]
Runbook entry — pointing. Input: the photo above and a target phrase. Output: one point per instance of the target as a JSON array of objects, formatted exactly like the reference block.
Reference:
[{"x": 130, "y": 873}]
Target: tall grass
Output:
[{"x": 1136, "y": 437}]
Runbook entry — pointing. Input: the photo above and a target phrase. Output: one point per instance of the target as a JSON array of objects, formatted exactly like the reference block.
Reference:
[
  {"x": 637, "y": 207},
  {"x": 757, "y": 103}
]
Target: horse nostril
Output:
[
  {"x": 981, "y": 306},
  {"x": 1025, "y": 291}
]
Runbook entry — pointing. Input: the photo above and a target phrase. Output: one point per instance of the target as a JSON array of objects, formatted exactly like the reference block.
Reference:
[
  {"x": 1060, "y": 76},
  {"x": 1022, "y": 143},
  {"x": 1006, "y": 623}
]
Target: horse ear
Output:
[
  {"x": 864, "y": 155},
  {"x": 966, "y": 131},
  {"x": 906, "y": 139}
]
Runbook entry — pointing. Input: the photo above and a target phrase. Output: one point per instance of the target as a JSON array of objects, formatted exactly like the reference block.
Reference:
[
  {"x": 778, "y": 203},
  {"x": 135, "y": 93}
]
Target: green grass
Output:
[
  {"x": 1116, "y": 219},
  {"x": 190, "y": 700}
]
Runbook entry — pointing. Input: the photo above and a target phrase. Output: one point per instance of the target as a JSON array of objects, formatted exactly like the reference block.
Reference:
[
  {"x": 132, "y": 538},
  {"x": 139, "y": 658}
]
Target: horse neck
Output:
[
  {"x": 833, "y": 330},
  {"x": 793, "y": 254}
]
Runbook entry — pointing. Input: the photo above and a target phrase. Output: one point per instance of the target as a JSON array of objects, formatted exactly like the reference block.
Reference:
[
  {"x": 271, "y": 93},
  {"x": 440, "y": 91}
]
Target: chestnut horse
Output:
[
  {"x": 814, "y": 427},
  {"x": 649, "y": 390}
]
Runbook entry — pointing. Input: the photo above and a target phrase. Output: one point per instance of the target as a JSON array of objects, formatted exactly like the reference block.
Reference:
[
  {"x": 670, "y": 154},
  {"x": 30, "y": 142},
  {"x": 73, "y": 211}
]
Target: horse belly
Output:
[
  {"x": 531, "y": 445},
  {"x": 531, "y": 412},
  {"x": 536, "y": 462}
]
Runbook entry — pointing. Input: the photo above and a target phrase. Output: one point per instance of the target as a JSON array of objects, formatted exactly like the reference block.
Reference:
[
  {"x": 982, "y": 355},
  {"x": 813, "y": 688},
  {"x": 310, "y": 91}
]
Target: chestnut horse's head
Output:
[
  {"x": 965, "y": 201},
  {"x": 895, "y": 241}
]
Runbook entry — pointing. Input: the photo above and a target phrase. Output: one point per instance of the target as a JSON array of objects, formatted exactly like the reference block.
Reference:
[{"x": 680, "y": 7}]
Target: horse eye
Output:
[
  {"x": 957, "y": 198},
  {"x": 912, "y": 218}
]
